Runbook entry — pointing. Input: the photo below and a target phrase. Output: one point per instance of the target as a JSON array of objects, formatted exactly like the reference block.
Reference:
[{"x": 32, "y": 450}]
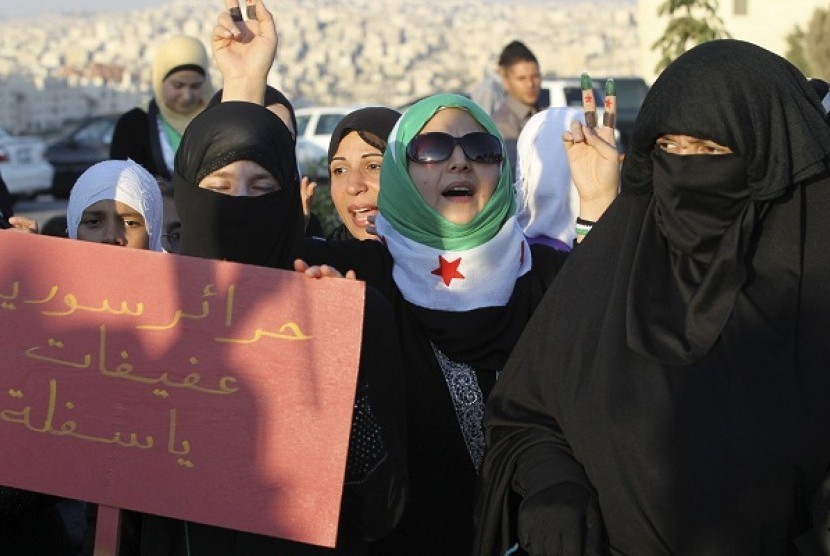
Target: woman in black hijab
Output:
[
  {"x": 236, "y": 192},
  {"x": 671, "y": 394},
  {"x": 354, "y": 158}
]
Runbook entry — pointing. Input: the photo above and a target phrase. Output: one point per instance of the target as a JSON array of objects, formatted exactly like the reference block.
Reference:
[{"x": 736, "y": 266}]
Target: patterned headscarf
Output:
[
  {"x": 439, "y": 264},
  {"x": 401, "y": 204}
]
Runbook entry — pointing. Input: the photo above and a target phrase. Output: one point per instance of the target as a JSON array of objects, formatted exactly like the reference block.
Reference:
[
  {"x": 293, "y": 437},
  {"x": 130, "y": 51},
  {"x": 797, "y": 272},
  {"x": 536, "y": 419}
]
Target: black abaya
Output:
[
  {"x": 442, "y": 474},
  {"x": 695, "y": 431}
]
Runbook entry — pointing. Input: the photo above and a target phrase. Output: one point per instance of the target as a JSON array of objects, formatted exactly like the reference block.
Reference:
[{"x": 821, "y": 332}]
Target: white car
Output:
[
  {"x": 316, "y": 123},
  {"x": 23, "y": 165},
  {"x": 631, "y": 91}
]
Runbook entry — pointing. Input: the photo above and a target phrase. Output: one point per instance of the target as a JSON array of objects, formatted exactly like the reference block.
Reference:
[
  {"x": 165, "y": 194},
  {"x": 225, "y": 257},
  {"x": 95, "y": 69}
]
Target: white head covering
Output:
[
  {"x": 118, "y": 180},
  {"x": 548, "y": 202}
]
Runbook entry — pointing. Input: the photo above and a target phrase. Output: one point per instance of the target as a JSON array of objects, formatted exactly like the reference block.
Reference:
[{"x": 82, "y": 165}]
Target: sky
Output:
[
  {"x": 16, "y": 8},
  {"x": 21, "y": 8}
]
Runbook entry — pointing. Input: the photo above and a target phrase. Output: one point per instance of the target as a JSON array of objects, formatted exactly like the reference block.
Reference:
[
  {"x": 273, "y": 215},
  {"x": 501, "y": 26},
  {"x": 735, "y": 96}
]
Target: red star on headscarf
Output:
[{"x": 448, "y": 270}]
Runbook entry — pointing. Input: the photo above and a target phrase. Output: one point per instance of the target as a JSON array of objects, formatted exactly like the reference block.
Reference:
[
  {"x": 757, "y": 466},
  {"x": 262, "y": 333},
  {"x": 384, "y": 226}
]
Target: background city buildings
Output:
[
  {"x": 56, "y": 69},
  {"x": 331, "y": 52}
]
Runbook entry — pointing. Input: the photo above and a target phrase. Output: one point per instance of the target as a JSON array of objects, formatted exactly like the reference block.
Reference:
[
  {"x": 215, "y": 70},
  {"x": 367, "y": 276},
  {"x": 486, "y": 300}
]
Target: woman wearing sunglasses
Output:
[
  {"x": 462, "y": 278},
  {"x": 465, "y": 282}
]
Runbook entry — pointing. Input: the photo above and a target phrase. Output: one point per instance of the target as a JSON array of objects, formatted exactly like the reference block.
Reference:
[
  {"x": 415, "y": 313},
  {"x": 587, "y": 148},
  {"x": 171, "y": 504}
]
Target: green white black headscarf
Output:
[{"x": 489, "y": 253}]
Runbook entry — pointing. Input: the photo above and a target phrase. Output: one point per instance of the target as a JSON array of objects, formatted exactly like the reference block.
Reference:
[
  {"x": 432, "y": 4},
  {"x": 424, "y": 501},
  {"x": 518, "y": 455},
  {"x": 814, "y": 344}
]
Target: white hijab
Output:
[
  {"x": 548, "y": 202},
  {"x": 118, "y": 180}
]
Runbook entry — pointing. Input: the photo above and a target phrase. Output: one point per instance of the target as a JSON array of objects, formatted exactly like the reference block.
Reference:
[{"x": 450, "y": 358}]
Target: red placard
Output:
[{"x": 208, "y": 391}]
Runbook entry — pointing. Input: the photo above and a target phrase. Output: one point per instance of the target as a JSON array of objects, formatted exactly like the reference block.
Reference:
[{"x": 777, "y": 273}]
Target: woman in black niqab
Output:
[
  {"x": 675, "y": 401},
  {"x": 266, "y": 230}
]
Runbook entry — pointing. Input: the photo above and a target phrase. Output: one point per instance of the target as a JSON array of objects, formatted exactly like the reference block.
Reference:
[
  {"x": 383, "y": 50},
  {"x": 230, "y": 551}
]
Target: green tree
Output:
[
  {"x": 796, "y": 50},
  {"x": 809, "y": 48},
  {"x": 817, "y": 44},
  {"x": 691, "y": 22}
]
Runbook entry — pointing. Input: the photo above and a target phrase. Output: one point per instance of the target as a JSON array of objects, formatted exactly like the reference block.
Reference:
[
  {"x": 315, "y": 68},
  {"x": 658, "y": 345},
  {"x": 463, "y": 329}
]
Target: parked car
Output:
[
  {"x": 89, "y": 143},
  {"x": 316, "y": 123},
  {"x": 84, "y": 145},
  {"x": 23, "y": 165},
  {"x": 631, "y": 91},
  {"x": 312, "y": 159},
  {"x": 567, "y": 91}
]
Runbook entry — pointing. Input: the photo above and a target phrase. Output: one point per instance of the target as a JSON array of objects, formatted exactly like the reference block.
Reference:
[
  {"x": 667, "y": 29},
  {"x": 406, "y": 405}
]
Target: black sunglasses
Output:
[{"x": 437, "y": 146}]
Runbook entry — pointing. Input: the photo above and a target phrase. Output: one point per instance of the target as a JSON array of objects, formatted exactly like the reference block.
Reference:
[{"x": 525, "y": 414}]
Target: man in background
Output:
[{"x": 522, "y": 80}]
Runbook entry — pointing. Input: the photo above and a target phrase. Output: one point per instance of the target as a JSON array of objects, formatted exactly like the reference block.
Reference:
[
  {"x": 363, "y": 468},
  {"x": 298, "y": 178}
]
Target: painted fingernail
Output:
[
  {"x": 609, "y": 116},
  {"x": 588, "y": 101}
]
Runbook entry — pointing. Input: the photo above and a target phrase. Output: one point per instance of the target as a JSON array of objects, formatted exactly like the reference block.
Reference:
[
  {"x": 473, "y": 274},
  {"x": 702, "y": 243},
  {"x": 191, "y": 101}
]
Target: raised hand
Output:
[
  {"x": 593, "y": 158},
  {"x": 244, "y": 49},
  {"x": 321, "y": 271},
  {"x": 307, "y": 189},
  {"x": 23, "y": 224}
]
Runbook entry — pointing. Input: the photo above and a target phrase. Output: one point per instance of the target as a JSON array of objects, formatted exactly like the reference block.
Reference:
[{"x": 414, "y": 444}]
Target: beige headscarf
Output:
[{"x": 179, "y": 50}]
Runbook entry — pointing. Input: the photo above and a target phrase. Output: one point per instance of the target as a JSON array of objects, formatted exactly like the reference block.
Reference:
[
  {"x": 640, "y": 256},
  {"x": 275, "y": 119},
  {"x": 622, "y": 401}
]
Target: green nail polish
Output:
[{"x": 585, "y": 82}]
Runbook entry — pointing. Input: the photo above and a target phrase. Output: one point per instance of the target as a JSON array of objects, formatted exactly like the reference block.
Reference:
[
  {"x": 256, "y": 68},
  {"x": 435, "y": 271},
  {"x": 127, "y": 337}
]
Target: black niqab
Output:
[
  {"x": 683, "y": 289},
  {"x": 684, "y": 380},
  {"x": 265, "y": 230}
]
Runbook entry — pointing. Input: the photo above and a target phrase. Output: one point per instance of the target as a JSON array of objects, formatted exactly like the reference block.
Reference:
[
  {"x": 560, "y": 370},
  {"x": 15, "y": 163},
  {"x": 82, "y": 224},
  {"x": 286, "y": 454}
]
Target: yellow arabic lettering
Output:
[
  {"x": 13, "y": 295},
  {"x": 56, "y": 343},
  {"x": 176, "y": 318},
  {"x": 15, "y": 292},
  {"x": 171, "y": 438},
  {"x": 207, "y": 291},
  {"x": 70, "y": 301},
  {"x": 229, "y": 305},
  {"x": 52, "y": 293},
  {"x": 171, "y": 442},
  {"x": 223, "y": 387},
  {"x": 69, "y": 427},
  {"x": 124, "y": 370},
  {"x": 72, "y": 304},
  {"x": 22, "y": 417},
  {"x": 16, "y": 416},
  {"x": 293, "y": 327},
  {"x": 124, "y": 310}
]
